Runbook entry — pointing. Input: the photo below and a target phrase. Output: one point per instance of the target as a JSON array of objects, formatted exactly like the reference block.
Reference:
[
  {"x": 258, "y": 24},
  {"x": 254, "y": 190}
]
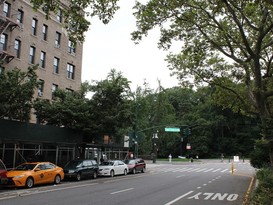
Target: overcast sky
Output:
[{"x": 110, "y": 46}]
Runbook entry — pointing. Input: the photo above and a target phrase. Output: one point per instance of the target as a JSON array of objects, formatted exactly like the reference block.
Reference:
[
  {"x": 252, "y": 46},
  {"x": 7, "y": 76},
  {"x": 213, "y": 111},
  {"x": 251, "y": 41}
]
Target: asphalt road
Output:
[{"x": 207, "y": 183}]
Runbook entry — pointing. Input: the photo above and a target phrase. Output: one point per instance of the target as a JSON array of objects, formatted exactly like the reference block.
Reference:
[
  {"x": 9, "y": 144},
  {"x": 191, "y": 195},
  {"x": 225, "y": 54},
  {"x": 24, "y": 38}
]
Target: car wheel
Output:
[
  {"x": 57, "y": 179},
  {"x": 125, "y": 171},
  {"x": 29, "y": 182},
  {"x": 78, "y": 176},
  {"x": 143, "y": 169},
  {"x": 95, "y": 175},
  {"x": 134, "y": 171},
  {"x": 112, "y": 173}
]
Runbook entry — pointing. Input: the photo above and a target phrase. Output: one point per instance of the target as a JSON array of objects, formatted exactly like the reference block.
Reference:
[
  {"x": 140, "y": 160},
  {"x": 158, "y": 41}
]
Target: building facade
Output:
[{"x": 28, "y": 38}]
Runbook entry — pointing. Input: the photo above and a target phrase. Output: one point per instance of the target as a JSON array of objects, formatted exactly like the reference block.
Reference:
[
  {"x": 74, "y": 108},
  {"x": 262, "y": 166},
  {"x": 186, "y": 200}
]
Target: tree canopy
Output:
[
  {"x": 107, "y": 112},
  {"x": 75, "y": 13},
  {"x": 224, "y": 43},
  {"x": 16, "y": 93}
]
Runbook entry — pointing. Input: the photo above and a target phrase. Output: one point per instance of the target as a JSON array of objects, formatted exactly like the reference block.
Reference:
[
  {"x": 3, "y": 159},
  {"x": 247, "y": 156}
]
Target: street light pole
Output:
[{"x": 154, "y": 154}]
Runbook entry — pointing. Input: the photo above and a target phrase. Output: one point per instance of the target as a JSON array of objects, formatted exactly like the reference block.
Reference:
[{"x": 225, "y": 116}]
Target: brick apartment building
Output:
[{"x": 28, "y": 38}]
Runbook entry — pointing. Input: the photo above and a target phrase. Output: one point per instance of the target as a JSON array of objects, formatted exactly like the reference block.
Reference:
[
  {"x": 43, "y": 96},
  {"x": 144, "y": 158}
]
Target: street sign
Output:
[
  {"x": 188, "y": 146},
  {"x": 172, "y": 129}
]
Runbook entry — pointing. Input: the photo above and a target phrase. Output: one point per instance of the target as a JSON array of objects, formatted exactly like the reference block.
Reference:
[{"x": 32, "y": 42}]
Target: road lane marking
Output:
[
  {"x": 216, "y": 170},
  {"x": 224, "y": 170},
  {"x": 214, "y": 196},
  {"x": 248, "y": 191},
  {"x": 178, "y": 198},
  {"x": 121, "y": 191},
  {"x": 194, "y": 170},
  {"x": 180, "y": 176},
  {"x": 7, "y": 197},
  {"x": 209, "y": 170},
  {"x": 201, "y": 170}
]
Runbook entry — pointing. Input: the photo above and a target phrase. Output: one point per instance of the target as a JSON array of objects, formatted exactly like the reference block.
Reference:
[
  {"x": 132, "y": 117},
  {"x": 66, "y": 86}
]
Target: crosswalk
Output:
[{"x": 191, "y": 169}]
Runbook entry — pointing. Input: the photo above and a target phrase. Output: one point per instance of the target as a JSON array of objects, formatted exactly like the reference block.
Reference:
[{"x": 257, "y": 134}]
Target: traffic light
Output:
[{"x": 186, "y": 131}]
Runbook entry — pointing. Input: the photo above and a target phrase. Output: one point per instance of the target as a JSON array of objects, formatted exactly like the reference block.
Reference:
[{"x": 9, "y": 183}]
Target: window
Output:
[
  {"x": 40, "y": 87},
  {"x": 42, "y": 59},
  {"x": 6, "y": 9},
  {"x": 31, "y": 55},
  {"x": 56, "y": 64},
  {"x": 69, "y": 90},
  {"x": 20, "y": 16},
  {"x": 58, "y": 40},
  {"x": 17, "y": 48},
  {"x": 45, "y": 29},
  {"x": 4, "y": 41},
  {"x": 59, "y": 16},
  {"x": 70, "y": 71},
  {"x": 53, "y": 89},
  {"x": 34, "y": 26},
  {"x": 71, "y": 47}
]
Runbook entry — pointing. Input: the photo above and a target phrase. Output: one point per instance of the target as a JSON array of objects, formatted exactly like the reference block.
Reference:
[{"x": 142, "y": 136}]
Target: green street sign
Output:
[{"x": 172, "y": 129}]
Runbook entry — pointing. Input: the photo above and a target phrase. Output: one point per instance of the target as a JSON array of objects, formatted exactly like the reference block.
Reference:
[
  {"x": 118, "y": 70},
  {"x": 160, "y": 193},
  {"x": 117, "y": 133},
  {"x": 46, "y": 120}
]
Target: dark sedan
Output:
[
  {"x": 81, "y": 168},
  {"x": 136, "y": 165}
]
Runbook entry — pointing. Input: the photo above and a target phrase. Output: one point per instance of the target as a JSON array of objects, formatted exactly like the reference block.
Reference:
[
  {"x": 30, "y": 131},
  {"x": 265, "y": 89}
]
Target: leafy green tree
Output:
[
  {"x": 107, "y": 112},
  {"x": 67, "y": 109},
  {"x": 222, "y": 41},
  {"x": 110, "y": 105},
  {"x": 16, "y": 93},
  {"x": 259, "y": 158}
]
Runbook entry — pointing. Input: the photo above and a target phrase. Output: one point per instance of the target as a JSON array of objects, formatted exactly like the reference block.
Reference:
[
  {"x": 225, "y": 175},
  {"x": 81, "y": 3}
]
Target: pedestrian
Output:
[
  {"x": 170, "y": 158},
  {"x": 222, "y": 157},
  {"x": 101, "y": 159}
]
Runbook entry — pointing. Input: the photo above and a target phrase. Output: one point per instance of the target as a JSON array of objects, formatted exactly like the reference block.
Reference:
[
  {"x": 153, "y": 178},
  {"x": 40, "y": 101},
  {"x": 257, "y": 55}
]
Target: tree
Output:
[
  {"x": 76, "y": 11},
  {"x": 110, "y": 105},
  {"x": 67, "y": 109},
  {"x": 223, "y": 41},
  {"x": 107, "y": 112},
  {"x": 16, "y": 93}
]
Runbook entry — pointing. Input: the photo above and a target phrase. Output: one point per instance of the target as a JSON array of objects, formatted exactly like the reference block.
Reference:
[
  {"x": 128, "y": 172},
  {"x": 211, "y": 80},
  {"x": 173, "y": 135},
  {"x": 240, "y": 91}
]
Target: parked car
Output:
[
  {"x": 136, "y": 165},
  {"x": 3, "y": 170},
  {"x": 112, "y": 168},
  {"x": 32, "y": 173},
  {"x": 81, "y": 168}
]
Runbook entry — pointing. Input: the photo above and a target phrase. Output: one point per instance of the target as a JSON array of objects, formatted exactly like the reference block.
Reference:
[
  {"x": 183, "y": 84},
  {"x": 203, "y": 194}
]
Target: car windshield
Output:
[
  {"x": 25, "y": 167},
  {"x": 108, "y": 163},
  {"x": 73, "y": 164},
  {"x": 2, "y": 166},
  {"x": 129, "y": 161}
]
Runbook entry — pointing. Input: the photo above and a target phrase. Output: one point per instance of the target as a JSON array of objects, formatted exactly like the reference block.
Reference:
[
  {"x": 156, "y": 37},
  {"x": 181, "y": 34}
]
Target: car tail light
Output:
[{"x": 3, "y": 174}]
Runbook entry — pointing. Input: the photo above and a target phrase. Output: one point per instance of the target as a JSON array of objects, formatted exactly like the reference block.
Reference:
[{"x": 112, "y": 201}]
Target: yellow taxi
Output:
[{"x": 32, "y": 173}]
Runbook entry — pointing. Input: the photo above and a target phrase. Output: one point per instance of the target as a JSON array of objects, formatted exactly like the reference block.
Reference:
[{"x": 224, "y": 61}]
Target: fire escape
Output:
[{"x": 6, "y": 24}]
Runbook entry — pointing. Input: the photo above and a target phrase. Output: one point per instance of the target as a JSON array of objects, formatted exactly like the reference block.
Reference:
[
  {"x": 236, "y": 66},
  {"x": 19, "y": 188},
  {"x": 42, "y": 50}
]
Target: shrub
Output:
[{"x": 263, "y": 194}]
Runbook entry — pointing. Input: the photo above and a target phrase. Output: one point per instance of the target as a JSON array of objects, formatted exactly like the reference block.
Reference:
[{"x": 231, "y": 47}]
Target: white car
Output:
[{"x": 112, "y": 168}]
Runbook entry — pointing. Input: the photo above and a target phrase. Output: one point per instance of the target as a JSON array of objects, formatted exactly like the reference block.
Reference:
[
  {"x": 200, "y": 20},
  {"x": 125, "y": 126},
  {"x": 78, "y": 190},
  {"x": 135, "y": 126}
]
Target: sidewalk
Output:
[{"x": 158, "y": 162}]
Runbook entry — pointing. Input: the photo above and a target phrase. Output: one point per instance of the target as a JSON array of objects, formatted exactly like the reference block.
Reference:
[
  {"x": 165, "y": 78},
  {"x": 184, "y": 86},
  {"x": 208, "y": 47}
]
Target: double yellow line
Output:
[{"x": 248, "y": 191}]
